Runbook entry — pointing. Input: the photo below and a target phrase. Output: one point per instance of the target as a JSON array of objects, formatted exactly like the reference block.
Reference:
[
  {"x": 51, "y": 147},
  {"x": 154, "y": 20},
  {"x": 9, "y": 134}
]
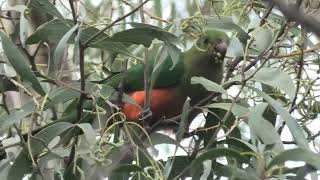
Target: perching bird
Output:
[{"x": 172, "y": 86}]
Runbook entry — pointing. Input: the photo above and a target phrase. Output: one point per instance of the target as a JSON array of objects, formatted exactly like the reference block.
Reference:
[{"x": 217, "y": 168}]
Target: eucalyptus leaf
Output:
[
  {"x": 19, "y": 63},
  {"x": 237, "y": 110},
  {"x": 215, "y": 153},
  {"x": 297, "y": 154},
  {"x": 7, "y": 120},
  {"x": 144, "y": 36},
  {"x": 209, "y": 85},
  {"x": 226, "y": 23},
  {"x": 55, "y": 29},
  {"x": 184, "y": 119},
  {"x": 46, "y": 7},
  {"x": 23, "y": 31},
  {"x": 273, "y": 77},
  {"x": 61, "y": 47},
  {"x": 276, "y": 78},
  {"x": 89, "y": 132},
  {"x": 235, "y": 48},
  {"x": 158, "y": 138},
  {"x": 128, "y": 168},
  {"x": 231, "y": 171},
  {"x": 263, "y": 129},
  {"x": 291, "y": 122},
  {"x": 262, "y": 39}
]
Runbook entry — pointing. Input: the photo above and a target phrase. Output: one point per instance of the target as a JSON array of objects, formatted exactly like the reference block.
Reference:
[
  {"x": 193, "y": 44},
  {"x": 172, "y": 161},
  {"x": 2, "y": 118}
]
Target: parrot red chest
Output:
[{"x": 163, "y": 101}]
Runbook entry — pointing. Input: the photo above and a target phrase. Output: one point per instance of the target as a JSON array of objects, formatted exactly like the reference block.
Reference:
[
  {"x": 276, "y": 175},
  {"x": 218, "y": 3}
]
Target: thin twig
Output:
[
  {"x": 74, "y": 16},
  {"x": 293, "y": 104}
]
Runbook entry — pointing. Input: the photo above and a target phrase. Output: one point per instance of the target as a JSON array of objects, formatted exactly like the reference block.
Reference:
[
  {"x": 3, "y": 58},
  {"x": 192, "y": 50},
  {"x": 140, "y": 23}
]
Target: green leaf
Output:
[
  {"x": 237, "y": 110},
  {"x": 8, "y": 120},
  {"x": 61, "y": 95},
  {"x": 23, "y": 25},
  {"x": 18, "y": 62},
  {"x": 4, "y": 167},
  {"x": 46, "y": 7},
  {"x": 209, "y": 85},
  {"x": 276, "y": 78},
  {"x": 6, "y": 84},
  {"x": 174, "y": 53},
  {"x": 272, "y": 77},
  {"x": 51, "y": 31},
  {"x": 232, "y": 172},
  {"x": 159, "y": 60},
  {"x": 263, "y": 39},
  {"x": 20, "y": 167},
  {"x": 214, "y": 154},
  {"x": 184, "y": 119},
  {"x": 144, "y": 36},
  {"x": 158, "y": 138},
  {"x": 48, "y": 134},
  {"x": 235, "y": 48},
  {"x": 291, "y": 122},
  {"x": 128, "y": 168},
  {"x": 226, "y": 23},
  {"x": 178, "y": 162},
  {"x": 88, "y": 132},
  {"x": 297, "y": 154},
  {"x": 23, "y": 164},
  {"x": 60, "y": 49},
  {"x": 263, "y": 129},
  {"x": 54, "y": 30},
  {"x": 145, "y": 33},
  {"x": 241, "y": 143}
]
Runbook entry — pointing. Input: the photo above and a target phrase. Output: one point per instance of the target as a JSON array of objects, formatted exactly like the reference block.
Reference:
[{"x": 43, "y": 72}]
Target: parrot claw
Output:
[{"x": 145, "y": 114}]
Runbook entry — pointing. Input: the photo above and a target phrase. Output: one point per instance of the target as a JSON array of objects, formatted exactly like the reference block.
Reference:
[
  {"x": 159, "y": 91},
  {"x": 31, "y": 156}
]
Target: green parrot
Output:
[{"x": 172, "y": 85}]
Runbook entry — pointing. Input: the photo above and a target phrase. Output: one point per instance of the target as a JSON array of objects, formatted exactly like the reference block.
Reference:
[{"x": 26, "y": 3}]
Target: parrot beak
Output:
[{"x": 221, "y": 49}]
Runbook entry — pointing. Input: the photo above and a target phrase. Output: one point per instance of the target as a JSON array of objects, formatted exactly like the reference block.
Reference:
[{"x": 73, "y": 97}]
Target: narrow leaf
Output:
[
  {"x": 276, "y": 78},
  {"x": 60, "y": 49},
  {"x": 88, "y": 132},
  {"x": 291, "y": 122},
  {"x": 54, "y": 30},
  {"x": 263, "y": 38},
  {"x": 226, "y": 23},
  {"x": 215, "y": 153},
  {"x": 184, "y": 119},
  {"x": 237, "y": 110},
  {"x": 297, "y": 154},
  {"x": 158, "y": 138},
  {"x": 18, "y": 62},
  {"x": 8, "y": 120},
  {"x": 258, "y": 126},
  {"x": 144, "y": 35},
  {"x": 209, "y": 85},
  {"x": 46, "y": 7}
]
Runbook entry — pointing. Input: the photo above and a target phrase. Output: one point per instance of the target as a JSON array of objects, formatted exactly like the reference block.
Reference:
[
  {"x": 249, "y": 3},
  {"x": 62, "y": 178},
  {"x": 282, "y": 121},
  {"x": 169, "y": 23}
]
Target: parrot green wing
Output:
[{"x": 134, "y": 80}]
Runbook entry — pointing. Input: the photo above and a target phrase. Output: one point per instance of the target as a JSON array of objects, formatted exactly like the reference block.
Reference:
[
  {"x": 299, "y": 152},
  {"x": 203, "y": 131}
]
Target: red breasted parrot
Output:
[{"x": 172, "y": 85}]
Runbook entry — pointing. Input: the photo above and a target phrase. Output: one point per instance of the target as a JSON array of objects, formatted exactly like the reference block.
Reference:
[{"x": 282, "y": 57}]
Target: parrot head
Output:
[{"x": 215, "y": 42}]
